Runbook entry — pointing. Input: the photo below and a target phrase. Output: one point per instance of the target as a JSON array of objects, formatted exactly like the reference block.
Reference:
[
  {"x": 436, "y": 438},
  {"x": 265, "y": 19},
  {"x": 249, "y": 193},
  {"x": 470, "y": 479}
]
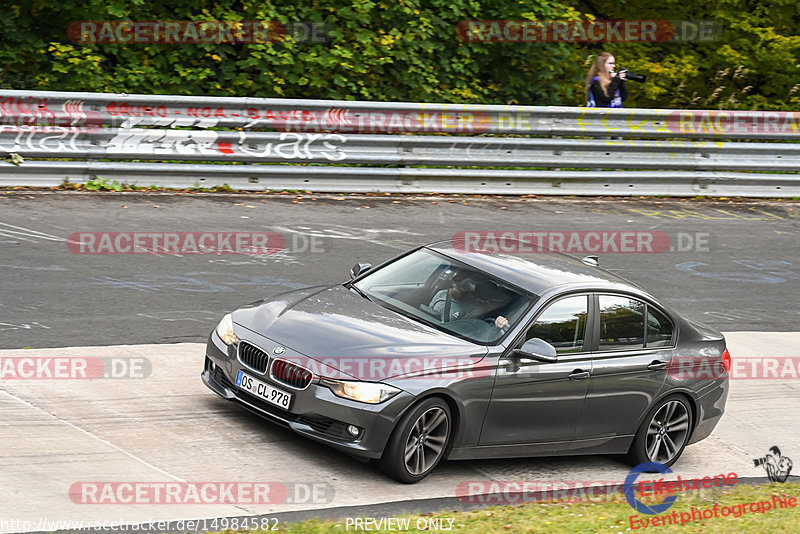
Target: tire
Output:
[
  {"x": 407, "y": 458},
  {"x": 664, "y": 432}
]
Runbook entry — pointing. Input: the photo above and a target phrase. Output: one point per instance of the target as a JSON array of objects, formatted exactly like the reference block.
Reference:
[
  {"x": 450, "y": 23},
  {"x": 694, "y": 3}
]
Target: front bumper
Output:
[{"x": 315, "y": 412}]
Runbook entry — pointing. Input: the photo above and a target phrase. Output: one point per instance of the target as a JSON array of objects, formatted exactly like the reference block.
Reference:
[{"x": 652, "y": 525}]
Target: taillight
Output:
[{"x": 726, "y": 361}]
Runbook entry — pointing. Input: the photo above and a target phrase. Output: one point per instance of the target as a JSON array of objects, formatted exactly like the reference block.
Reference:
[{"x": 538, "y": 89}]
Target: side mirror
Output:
[
  {"x": 359, "y": 269},
  {"x": 537, "y": 349}
]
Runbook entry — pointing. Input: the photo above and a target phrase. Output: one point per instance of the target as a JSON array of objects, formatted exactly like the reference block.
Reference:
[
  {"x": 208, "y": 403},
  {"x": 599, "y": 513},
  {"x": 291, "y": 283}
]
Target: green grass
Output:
[{"x": 611, "y": 516}]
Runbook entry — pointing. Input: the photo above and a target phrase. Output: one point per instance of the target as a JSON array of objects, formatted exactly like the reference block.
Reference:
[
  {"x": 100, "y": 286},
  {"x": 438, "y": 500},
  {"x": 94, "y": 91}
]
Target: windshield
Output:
[{"x": 448, "y": 295}]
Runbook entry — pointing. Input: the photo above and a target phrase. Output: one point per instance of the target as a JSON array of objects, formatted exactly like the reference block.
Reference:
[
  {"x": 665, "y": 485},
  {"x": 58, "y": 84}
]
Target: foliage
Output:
[
  {"x": 101, "y": 184},
  {"x": 393, "y": 50},
  {"x": 14, "y": 159},
  {"x": 753, "y": 64},
  {"x": 408, "y": 50}
]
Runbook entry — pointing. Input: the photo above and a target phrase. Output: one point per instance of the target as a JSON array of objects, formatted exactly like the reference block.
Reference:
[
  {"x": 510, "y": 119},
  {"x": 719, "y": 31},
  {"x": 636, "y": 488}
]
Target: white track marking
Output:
[
  {"x": 86, "y": 432},
  {"x": 26, "y": 232}
]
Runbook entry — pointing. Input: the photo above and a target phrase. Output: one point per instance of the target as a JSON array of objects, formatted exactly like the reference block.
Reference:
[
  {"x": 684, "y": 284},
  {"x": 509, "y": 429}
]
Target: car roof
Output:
[{"x": 536, "y": 272}]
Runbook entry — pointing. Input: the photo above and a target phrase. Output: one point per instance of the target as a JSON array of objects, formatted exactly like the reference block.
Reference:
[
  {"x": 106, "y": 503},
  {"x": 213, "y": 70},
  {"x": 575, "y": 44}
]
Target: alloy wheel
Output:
[
  {"x": 667, "y": 432},
  {"x": 426, "y": 441}
]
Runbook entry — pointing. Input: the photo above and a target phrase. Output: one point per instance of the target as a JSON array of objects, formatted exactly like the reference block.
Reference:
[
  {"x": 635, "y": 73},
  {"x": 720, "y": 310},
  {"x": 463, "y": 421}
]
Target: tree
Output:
[{"x": 405, "y": 50}]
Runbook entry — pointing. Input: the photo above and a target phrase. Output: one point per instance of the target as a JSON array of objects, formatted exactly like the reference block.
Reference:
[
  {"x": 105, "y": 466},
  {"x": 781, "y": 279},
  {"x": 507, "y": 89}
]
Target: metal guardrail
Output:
[
  {"x": 298, "y": 147},
  {"x": 407, "y": 180},
  {"x": 679, "y": 152}
]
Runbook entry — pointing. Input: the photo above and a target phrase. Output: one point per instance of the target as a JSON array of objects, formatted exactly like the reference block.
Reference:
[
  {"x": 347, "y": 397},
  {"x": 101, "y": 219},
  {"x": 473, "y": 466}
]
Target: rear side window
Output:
[
  {"x": 623, "y": 325},
  {"x": 563, "y": 324},
  {"x": 659, "y": 329}
]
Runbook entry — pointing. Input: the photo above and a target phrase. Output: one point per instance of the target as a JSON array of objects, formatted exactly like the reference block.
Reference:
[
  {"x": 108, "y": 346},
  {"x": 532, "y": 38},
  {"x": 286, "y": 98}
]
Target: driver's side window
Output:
[{"x": 563, "y": 324}]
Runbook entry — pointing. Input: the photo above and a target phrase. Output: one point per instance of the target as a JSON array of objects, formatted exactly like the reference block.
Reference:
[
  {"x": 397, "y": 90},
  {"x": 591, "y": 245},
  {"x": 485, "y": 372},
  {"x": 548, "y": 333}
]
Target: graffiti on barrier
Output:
[
  {"x": 207, "y": 142},
  {"x": 34, "y": 124},
  {"x": 368, "y": 121}
]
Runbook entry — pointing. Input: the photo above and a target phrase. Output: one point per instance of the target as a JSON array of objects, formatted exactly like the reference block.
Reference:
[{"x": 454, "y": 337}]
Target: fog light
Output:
[{"x": 353, "y": 430}]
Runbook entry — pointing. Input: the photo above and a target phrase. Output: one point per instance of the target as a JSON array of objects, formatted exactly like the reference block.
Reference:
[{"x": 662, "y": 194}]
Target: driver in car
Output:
[{"x": 459, "y": 302}]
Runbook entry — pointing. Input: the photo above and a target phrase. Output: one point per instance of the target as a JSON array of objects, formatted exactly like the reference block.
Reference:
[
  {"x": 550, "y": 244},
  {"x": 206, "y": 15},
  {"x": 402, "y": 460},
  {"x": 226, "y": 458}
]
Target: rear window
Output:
[{"x": 623, "y": 325}]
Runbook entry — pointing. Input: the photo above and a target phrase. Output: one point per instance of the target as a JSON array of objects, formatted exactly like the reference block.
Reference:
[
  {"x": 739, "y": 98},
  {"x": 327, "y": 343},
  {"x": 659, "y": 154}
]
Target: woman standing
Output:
[{"x": 604, "y": 88}]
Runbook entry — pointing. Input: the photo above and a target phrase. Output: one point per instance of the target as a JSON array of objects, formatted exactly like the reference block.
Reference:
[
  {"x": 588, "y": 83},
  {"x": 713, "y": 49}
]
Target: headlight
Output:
[
  {"x": 225, "y": 330},
  {"x": 369, "y": 392}
]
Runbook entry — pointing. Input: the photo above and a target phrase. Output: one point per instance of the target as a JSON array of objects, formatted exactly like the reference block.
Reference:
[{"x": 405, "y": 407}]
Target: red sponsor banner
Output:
[
  {"x": 297, "y": 120},
  {"x": 377, "y": 369},
  {"x": 742, "y": 368},
  {"x": 571, "y": 242},
  {"x": 382, "y": 121},
  {"x": 177, "y": 493},
  {"x": 124, "y": 109},
  {"x": 175, "y": 31},
  {"x": 175, "y": 242},
  {"x": 554, "y": 31},
  {"x": 27, "y": 112},
  {"x": 51, "y": 368},
  {"x": 734, "y": 122}
]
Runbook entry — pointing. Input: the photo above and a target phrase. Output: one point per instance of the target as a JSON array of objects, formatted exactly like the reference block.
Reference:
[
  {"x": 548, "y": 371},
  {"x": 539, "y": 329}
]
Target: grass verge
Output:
[{"x": 613, "y": 515}]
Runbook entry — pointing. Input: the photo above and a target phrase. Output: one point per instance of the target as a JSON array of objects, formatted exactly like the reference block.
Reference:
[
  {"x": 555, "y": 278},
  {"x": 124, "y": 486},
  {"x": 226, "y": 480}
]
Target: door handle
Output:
[
  {"x": 578, "y": 374},
  {"x": 657, "y": 365}
]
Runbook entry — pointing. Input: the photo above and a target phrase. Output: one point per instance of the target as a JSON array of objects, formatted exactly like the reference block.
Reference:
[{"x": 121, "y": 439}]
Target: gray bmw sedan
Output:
[{"x": 442, "y": 353}]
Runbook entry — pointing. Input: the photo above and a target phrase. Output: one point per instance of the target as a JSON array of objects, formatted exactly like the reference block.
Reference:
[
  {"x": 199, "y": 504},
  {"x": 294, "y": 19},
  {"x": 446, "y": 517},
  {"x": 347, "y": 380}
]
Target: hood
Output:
[{"x": 336, "y": 328}]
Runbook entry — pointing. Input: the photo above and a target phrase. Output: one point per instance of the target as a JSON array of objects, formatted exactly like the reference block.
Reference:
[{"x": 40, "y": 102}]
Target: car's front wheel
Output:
[
  {"x": 418, "y": 442},
  {"x": 664, "y": 433}
]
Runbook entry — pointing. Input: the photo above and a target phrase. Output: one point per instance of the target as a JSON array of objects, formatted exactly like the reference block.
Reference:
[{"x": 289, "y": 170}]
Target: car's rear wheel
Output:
[
  {"x": 418, "y": 442},
  {"x": 664, "y": 433}
]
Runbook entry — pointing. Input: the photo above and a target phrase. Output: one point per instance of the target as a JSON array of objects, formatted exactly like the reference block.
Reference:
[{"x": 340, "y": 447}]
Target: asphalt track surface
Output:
[
  {"x": 166, "y": 426},
  {"x": 745, "y": 277}
]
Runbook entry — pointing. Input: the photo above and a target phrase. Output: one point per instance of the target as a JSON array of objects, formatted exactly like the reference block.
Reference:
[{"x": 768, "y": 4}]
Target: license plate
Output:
[{"x": 264, "y": 391}]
